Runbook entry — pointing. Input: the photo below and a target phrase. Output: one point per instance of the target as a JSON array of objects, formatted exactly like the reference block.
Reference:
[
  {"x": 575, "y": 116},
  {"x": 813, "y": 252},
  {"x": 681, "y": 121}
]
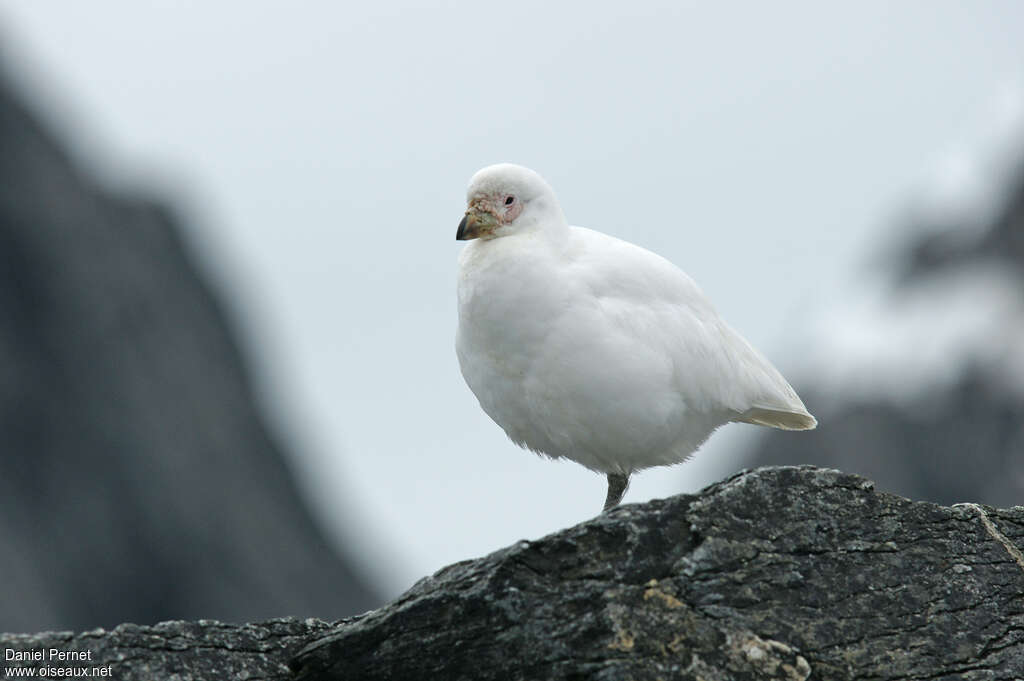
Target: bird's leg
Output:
[{"x": 617, "y": 484}]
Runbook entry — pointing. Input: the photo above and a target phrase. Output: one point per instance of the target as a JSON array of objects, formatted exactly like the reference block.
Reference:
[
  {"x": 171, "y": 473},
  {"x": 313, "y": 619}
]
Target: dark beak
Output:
[{"x": 476, "y": 224}]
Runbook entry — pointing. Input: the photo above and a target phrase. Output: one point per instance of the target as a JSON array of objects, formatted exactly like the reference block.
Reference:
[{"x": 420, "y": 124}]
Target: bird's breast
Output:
[
  {"x": 506, "y": 308},
  {"x": 509, "y": 299}
]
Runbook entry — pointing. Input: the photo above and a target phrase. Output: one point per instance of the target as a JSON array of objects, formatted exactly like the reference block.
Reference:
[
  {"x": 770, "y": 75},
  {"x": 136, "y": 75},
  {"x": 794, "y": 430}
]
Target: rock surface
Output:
[
  {"x": 138, "y": 478},
  {"x": 777, "y": 573}
]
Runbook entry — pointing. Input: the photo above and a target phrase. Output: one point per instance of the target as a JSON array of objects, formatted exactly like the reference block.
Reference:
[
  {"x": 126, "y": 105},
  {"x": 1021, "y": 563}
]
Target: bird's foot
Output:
[{"x": 617, "y": 484}]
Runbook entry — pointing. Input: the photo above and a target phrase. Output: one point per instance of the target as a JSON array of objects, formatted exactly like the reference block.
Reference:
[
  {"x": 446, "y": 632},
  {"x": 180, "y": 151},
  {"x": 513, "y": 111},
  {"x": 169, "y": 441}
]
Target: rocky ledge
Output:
[{"x": 775, "y": 573}]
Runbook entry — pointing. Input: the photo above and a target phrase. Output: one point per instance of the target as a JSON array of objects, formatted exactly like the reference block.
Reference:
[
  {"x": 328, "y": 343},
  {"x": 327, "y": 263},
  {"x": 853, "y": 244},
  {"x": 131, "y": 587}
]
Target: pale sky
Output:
[{"x": 322, "y": 150}]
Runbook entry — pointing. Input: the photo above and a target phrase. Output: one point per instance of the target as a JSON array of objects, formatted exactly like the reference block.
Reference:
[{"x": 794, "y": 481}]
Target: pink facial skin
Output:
[
  {"x": 510, "y": 211},
  {"x": 496, "y": 205}
]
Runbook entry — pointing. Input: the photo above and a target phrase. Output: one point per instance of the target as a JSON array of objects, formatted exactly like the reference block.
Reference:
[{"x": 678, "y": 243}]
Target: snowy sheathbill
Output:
[{"x": 583, "y": 346}]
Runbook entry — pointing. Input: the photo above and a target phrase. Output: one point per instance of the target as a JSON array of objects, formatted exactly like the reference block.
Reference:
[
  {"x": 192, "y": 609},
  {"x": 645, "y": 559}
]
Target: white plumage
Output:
[{"x": 583, "y": 346}]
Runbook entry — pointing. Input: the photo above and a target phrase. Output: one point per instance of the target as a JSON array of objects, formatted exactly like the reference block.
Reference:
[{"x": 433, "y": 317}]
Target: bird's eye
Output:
[{"x": 509, "y": 200}]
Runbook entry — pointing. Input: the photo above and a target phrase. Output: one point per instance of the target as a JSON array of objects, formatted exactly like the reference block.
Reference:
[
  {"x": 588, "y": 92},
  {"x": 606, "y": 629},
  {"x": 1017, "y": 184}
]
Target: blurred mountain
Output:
[
  {"x": 138, "y": 479},
  {"x": 921, "y": 387}
]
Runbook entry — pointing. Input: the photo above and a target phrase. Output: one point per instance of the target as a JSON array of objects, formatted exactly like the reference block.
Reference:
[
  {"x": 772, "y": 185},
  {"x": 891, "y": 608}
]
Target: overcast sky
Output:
[{"x": 322, "y": 152}]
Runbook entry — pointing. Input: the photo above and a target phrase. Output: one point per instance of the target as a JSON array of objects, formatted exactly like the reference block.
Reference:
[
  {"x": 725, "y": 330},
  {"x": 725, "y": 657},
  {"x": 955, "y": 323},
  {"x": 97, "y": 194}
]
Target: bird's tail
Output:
[{"x": 778, "y": 418}]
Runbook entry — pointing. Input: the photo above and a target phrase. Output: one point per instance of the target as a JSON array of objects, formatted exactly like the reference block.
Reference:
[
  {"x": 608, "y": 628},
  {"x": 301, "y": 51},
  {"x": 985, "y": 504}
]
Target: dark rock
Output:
[
  {"x": 173, "y": 650},
  {"x": 770, "y": 574},
  {"x": 139, "y": 481},
  {"x": 778, "y": 573}
]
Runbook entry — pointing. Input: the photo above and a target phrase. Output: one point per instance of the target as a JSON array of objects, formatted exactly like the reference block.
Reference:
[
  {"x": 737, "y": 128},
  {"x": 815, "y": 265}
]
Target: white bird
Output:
[{"x": 583, "y": 346}]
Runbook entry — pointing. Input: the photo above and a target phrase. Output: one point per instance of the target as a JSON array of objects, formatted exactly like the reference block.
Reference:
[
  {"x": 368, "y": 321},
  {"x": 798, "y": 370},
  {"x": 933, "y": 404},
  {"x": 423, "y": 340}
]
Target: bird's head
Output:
[{"x": 506, "y": 199}]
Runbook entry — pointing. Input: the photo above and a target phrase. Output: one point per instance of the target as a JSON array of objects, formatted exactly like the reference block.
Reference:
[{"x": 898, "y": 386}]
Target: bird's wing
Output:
[{"x": 716, "y": 369}]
